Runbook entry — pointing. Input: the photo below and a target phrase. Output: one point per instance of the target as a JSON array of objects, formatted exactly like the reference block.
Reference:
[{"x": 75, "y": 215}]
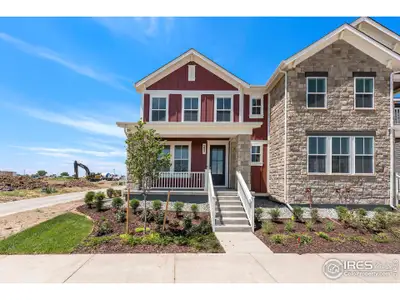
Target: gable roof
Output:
[
  {"x": 188, "y": 56},
  {"x": 377, "y": 25},
  {"x": 348, "y": 33}
]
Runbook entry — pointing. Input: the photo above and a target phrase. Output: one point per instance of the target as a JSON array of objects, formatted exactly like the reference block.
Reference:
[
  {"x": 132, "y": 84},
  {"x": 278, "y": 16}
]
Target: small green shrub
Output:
[
  {"x": 195, "y": 210},
  {"x": 268, "y": 227},
  {"x": 324, "y": 236},
  {"x": 134, "y": 203},
  {"x": 381, "y": 238},
  {"x": 289, "y": 226},
  {"x": 99, "y": 201},
  {"x": 314, "y": 215},
  {"x": 342, "y": 213},
  {"x": 258, "y": 214},
  {"x": 380, "y": 210},
  {"x": 187, "y": 223},
  {"x": 110, "y": 192},
  {"x": 203, "y": 228},
  {"x": 310, "y": 225},
  {"x": 305, "y": 239},
  {"x": 157, "y": 204},
  {"x": 178, "y": 207},
  {"x": 89, "y": 199},
  {"x": 150, "y": 217},
  {"x": 117, "y": 203},
  {"x": 174, "y": 224},
  {"x": 356, "y": 238},
  {"x": 278, "y": 238},
  {"x": 120, "y": 216},
  {"x": 117, "y": 193},
  {"x": 49, "y": 190},
  {"x": 274, "y": 213},
  {"x": 361, "y": 212},
  {"x": 104, "y": 228},
  {"x": 329, "y": 226},
  {"x": 298, "y": 213},
  {"x": 160, "y": 218},
  {"x": 141, "y": 229}
]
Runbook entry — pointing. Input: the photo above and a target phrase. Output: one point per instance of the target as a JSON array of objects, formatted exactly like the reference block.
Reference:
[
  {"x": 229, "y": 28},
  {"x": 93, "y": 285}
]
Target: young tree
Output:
[
  {"x": 64, "y": 174},
  {"x": 145, "y": 159},
  {"x": 41, "y": 173}
]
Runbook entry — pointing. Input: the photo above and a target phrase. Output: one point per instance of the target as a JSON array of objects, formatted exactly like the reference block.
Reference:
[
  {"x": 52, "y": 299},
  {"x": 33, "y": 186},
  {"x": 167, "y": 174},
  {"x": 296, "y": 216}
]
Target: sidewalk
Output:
[{"x": 180, "y": 268}]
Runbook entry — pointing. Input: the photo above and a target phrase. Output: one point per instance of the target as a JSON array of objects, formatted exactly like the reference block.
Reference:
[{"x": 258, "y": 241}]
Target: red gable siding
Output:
[
  {"x": 207, "y": 108},
  {"x": 146, "y": 108},
  {"x": 261, "y": 132},
  {"x": 205, "y": 80},
  {"x": 259, "y": 175},
  {"x": 235, "y": 108},
  {"x": 175, "y": 108}
]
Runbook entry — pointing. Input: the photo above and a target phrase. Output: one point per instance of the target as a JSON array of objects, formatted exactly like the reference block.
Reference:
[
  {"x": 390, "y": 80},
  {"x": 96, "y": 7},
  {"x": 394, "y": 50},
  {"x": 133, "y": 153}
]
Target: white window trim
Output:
[
  {"x": 316, "y": 93},
  {"x": 327, "y": 153},
  {"x": 349, "y": 155},
  {"x": 352, "y": 167},
  {"x": 172, "y": 153},
  {"x": 255, "y": 116},
  {"x": 261, "y": 145},
  {"x": 215, "y": 108},
  {"x": 198, "y": 107},
  {"x": 166, "y": 108},
  {"x": 373, "y": 93}
]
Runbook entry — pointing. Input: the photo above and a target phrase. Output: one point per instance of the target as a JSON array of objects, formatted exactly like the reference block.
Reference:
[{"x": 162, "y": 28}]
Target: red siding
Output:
[
  {"x": 205, "y": 80},
  {"x": 146, "y": 108},
  {"x": 235, "y": 108},
  {"x": 175, "y": 108},
  {"x": 207, "y": 108},
  {"x": 259, "y": 175}
]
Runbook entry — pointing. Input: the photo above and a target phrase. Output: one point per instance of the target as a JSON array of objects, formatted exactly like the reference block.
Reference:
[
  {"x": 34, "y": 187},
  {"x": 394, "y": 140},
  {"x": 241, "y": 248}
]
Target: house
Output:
[{"x": 323, "y": 122}]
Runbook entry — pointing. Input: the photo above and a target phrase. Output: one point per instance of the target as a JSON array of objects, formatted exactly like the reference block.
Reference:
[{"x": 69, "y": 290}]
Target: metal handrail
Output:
[
  {"x": 246, "y": 198},
  {"x": 211, "y": 197}
]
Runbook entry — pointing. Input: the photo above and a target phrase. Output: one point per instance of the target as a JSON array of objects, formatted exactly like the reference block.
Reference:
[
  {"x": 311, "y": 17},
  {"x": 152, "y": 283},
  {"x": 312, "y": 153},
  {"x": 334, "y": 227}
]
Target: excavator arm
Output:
[{"x": 76, "y": 165}]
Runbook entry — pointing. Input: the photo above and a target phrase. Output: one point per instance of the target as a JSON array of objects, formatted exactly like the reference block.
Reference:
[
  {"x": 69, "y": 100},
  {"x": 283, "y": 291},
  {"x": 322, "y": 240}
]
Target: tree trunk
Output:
[{"x": 145, "y": 212}]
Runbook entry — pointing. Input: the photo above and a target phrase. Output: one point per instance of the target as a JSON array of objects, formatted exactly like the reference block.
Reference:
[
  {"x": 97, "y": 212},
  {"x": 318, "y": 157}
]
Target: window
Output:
[
  {"x": 317, "y": 154},
  {"x": 158, "y": 109},
  {"x": 364, "y": 92},
  {"x": 340, "y": 155},
  {"x": 224, "y": 109},
  {"x": 181, "y": 158},
  {"x": 364, "y": 157},
  {"x": 191, "y": 109},
  {"x": 166, "y": 150},
  {"x": 256, "y": 154},
  {"x": 256, "y": 107},
  {"x": 316, "y": 92}
]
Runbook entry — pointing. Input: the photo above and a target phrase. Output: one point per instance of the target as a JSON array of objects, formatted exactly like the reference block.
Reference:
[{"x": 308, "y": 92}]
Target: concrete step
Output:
[
  {"x": 231, "y": 214},
  {"x": 230, "y": 201},
  {"x": 224, "y": 207},
  {"x": 232, "y": 228},
  {"x": 228, "y": 198},
  {"x": 226, "y": 193},
  {"x": 232, "y": 221}
]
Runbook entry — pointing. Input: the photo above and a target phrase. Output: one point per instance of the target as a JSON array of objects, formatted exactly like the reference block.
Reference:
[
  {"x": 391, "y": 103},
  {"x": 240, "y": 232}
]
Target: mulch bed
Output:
[
  {"x": 320, "y": 245},
  {"x": 117, "y": 245}
]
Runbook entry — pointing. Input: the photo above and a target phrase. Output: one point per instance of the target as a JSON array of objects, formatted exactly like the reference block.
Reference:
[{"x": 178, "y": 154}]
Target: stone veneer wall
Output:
[
  {"x": 232, "y": 161},
  {"x": 276, "y": 141},
  {"x": 239, "y": 157},
  {"x": 340, "y": 60}
]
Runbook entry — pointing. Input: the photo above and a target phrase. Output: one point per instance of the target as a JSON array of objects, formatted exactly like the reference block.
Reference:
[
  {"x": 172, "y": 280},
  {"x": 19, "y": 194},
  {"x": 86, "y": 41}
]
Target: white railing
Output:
[
  {"x": 180, "y": 180},
  {"x": 211, "y": 197},
  {"x": 246, "y": 197},
  {"x": 397, "y": 187},
  {"x": 397, "y": 116}
]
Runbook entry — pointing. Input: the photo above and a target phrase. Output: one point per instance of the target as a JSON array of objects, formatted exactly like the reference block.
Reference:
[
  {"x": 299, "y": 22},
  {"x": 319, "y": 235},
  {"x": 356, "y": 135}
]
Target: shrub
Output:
[
  {"x": 49, "y": 190},
  {"x": 361, "y": 212},
  {"x": 117, "y": 193},
  {"x": 117, "y": 203},
  {"x": 274, "y": 213},
  {"x": 314, "y": 215},
  {"x": 305, "y": 239},
  {"x": 149, "y": 216},
  {"x": 380, "y": 210},
  {"x": 156, "y": 205},
  {"x": 99, "y": 200},
  {"x": 174, "y": 224},
  {"x": 289, "y": 226},
  {"x": 160, "y": 218},
  {"x": 104, "y": 228},
  {"x": 356, "y": 238},
  {"x": 278, "y": 238},
  {"x": 195, "y": 209},
  {"x": 141, "y": 229},
  {"x": 201, "y": 229},
  {"x": 134, "y": 203},
  {"x": 110, "y": 192},
  {"x": 120, "y": 216},
  {"x": 310, "y": 225},
  {"x": 342, "y": 213},
  {"x": 268, "y": 227},
  {"x": 178, "y": 207},
  {"x": 329, "y": 226},
  {"x": 324, "y": 236},
  {"x": 298, "y": 213},
  {"x": 187, "y": 223},
  {"x": 257, "y": 215},
  {"x": 89, "y": 198},
  {"x": 381, "y": 238}
]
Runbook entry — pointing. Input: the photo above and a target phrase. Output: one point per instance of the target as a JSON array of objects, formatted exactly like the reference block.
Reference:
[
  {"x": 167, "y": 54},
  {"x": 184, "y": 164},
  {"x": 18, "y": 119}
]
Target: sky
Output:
[{"x": 65, "y": 82}]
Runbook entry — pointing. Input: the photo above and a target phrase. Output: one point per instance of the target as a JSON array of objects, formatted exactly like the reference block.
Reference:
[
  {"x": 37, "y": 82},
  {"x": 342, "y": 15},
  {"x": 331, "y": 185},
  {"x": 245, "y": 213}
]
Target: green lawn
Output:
[{"x": 59, "y": 235}]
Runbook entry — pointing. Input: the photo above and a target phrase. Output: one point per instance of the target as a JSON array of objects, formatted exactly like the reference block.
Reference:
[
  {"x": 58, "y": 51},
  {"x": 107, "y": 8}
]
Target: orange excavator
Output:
[{"x": 89, "y": 176}]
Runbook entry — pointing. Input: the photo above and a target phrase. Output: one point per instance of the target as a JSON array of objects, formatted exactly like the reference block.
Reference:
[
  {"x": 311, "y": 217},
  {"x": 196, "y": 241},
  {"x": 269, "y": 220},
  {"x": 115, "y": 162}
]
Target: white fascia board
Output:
[{"x": 377, "y": 26}]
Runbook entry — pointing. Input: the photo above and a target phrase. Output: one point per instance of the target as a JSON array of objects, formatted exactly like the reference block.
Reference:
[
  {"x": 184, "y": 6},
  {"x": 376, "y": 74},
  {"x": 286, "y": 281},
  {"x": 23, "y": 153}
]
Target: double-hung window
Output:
[
  {"x": 166, "y": 151},
  {"x": 191, "y": 109},
  {"x": 256, "y": 107},
  {"x": 181, "y": 158},
  {"x": 158, "y": 109},
  {"x": 224, "y": 109},
  {"x": 340, "y": 155},
  {"x": 364, "y": 92},
  {"x": 316, "y": 92},
  {"x": 364, "y": 155},
  {"x": 316, "y": 154}
]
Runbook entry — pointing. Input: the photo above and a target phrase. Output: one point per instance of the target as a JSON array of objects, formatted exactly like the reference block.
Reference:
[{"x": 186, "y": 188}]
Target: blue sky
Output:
[{"x": 64, "y": 82}]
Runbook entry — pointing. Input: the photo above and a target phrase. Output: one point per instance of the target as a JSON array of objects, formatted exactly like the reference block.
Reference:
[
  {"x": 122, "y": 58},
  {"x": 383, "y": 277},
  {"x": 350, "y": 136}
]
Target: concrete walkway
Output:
[
  {"x": 10, "y": 208},
  {"x": 241, "y": 242},
  {"x": 180, "y": 268}
]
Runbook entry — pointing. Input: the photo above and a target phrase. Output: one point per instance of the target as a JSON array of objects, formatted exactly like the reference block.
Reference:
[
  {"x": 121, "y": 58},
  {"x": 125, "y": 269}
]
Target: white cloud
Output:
[{"x": 46, "y": 53}]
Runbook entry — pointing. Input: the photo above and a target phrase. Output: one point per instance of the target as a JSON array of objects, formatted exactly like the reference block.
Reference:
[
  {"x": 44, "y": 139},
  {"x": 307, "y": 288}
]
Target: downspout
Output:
[{"x": 393, "y": 195}]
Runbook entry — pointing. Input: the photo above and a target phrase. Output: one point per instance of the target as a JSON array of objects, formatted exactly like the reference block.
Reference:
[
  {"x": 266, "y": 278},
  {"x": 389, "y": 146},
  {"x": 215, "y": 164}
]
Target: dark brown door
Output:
[{"x": 217, "y": 164}]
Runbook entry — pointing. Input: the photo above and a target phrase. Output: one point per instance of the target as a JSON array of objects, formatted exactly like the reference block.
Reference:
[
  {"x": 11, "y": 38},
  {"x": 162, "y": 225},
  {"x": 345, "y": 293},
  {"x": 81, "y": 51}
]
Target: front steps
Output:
[{"x": 230, "y": 214}]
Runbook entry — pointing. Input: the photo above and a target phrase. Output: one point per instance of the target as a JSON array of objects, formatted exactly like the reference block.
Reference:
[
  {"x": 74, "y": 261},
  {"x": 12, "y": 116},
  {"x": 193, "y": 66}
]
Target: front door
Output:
[{"x": 217, "y": 164}]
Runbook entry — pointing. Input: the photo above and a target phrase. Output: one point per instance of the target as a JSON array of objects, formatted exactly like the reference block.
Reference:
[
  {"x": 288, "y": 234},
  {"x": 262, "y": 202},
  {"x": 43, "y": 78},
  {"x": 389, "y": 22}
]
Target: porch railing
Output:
[
  {"x": 211, "y": 197},
  {"x": 180, "y": 180},
  {"x": 397, "y": 116},
  {"x": 246, "y": 198}
]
